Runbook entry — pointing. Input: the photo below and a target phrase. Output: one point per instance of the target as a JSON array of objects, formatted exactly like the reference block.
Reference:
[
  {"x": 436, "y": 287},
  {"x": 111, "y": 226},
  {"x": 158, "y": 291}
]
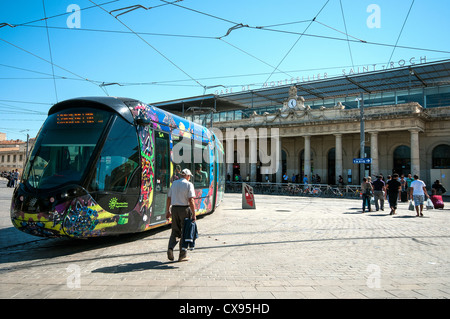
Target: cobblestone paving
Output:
[{"x": 289, "y": 247}]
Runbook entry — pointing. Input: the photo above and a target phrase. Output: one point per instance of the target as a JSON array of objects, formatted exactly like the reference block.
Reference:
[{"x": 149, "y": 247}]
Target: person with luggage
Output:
[
  {"x": 418, "y": 191},
  {"x": 437, "y": 191},
  {"x": 180, "y": 205}
]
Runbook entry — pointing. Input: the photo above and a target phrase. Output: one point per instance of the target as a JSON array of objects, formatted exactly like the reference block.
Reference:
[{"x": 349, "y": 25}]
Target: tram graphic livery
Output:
[{"x": 103, "y": 166}]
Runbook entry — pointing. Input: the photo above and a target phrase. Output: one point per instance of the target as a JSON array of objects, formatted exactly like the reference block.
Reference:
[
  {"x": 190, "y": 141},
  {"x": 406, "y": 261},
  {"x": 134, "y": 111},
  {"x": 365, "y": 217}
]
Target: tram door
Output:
[{"x": 162, "y": 176}]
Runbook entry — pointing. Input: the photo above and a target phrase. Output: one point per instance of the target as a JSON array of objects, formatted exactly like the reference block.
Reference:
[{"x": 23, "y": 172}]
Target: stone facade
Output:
[{"x": 308, "y": 135}]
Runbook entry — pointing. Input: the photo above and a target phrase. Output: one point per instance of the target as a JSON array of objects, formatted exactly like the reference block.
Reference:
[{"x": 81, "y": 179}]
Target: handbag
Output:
[
  {"x": 430, "y": 204},
  {"x": 411, "y": 205}
]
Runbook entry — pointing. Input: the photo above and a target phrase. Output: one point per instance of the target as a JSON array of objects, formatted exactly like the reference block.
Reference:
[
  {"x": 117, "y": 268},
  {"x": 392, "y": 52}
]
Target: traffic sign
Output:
[{"x": 366, "y": 160}]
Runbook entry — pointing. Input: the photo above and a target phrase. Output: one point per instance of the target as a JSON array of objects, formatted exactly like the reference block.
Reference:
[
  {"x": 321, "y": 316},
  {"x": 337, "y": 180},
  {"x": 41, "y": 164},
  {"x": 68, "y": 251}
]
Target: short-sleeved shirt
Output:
[
  {"x": 180, "y": 192},
  {"x": 409, "y": 181},
  {"x": 418, "y": 186},
  {"x": 393, "y": 186},
  {"x": 378, "y": 185}
]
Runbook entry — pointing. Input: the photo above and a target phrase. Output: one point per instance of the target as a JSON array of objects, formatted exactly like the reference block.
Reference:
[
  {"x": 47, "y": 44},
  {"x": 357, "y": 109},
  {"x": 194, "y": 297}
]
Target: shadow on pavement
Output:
[
  {"x": 29, "y": 248},
  {"x": 147, "y": 265}
]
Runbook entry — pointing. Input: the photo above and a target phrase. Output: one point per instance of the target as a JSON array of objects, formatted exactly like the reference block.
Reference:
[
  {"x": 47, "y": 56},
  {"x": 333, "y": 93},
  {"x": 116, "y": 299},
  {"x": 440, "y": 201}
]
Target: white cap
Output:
[{"x": 186, "y": 172}]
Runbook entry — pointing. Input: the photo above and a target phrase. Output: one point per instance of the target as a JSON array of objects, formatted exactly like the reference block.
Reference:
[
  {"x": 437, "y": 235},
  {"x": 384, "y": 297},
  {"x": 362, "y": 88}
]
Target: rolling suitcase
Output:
[
  {"x": 404, "y": 196},
  {"x": 437, "y": 201}
]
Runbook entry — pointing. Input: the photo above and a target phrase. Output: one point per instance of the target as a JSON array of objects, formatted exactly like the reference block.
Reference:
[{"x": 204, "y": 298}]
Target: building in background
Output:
[
  {"x": 13, "y": 153},
  {"x": 406, "y": 117}
]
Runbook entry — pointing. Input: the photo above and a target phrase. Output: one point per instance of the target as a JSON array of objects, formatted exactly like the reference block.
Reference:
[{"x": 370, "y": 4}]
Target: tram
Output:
[{"x": 103, "y": 166}]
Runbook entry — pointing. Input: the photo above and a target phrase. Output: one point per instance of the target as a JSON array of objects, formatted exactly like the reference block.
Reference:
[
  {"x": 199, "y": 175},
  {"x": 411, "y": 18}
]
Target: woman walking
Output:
[{"x": 367, "y": 191}]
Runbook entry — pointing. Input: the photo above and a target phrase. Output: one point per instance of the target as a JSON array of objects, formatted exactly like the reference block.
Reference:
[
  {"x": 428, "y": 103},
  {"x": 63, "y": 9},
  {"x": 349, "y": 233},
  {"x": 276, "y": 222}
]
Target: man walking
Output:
[
  {"x": 418, "y": 191},
  {"x": 393, "y": 188},
  {"x": 378, "y": 189},
  {"x": 181, "y": 197}
]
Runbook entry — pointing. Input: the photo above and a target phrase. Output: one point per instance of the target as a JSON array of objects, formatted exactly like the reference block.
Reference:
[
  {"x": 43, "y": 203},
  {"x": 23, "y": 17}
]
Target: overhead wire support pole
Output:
[{"x": 362, "y": 136}]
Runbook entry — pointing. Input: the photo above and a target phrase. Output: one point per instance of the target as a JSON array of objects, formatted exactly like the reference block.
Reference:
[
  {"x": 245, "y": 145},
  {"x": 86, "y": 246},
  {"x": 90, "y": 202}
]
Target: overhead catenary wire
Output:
[
  {"x": 264, "y": 28},
  {"x": 401, "y": 31},
  {"x": 45, "y": 60},
  {"x": 295, "y": 43},
  {"x": 154, "y": 48},
  {"x": 346, "y": 32},
  {"x": 50, "y": 51},
  {"x": 4, "y": 24}
]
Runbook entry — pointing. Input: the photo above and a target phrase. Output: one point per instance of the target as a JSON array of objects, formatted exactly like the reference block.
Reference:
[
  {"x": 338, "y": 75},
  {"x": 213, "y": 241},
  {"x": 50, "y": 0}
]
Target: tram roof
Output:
[{"x": 403, "y": 78}]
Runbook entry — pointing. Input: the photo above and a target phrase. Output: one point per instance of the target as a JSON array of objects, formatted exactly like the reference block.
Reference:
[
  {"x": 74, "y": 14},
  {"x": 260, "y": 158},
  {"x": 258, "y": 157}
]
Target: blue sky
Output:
[{"x": 177, "y": 51}]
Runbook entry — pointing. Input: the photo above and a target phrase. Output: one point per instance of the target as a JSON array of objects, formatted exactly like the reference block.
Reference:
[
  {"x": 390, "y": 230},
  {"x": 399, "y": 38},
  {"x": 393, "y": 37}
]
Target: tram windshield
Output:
[{"x": 64, "y": 147}]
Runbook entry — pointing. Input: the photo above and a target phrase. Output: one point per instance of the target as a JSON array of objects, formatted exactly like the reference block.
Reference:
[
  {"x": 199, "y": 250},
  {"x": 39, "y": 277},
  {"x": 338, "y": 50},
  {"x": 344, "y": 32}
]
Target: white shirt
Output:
[
  {"x": 180, "y": 192},
  {"x": 418, "y": 186}
]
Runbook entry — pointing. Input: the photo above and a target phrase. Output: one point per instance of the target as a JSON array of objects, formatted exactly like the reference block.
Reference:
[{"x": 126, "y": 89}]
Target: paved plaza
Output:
[{"x": 288, "y": 247}]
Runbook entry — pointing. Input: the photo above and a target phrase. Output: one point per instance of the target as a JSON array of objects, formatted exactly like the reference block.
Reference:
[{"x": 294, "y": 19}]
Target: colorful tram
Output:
[{"x": 103, "y": 166}]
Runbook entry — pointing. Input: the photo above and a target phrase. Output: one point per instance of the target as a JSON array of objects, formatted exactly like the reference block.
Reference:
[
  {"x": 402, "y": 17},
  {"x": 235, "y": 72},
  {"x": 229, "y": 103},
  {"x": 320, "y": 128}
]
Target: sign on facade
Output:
[{"x": 366, "y": 160}]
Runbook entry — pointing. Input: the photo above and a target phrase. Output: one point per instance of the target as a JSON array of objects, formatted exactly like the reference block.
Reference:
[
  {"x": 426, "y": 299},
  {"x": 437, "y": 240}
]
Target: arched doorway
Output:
[
  {"x": 402, "y": 160},
  {"x": 441, "y": 156}
]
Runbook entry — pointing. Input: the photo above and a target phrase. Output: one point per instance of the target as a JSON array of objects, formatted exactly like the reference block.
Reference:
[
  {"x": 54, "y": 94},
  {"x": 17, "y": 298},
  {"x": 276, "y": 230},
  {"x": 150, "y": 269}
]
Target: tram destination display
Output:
[{"x": 78, "y": 118}]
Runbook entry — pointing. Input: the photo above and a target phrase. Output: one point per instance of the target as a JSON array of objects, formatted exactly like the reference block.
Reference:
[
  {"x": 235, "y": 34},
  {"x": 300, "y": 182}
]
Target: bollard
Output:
[{"x": 248, "y": 199}]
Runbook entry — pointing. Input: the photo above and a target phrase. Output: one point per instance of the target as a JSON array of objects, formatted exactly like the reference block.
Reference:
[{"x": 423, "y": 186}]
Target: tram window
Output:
[
  {"x": 63, "y": 149},
  {"x": 182, "y": 157},
  {"x": 162, "y": 170},
  {"x": 201, "y": 167},
  {"x": 189, "y": 154},
  {"x": 118, "y": 160}
]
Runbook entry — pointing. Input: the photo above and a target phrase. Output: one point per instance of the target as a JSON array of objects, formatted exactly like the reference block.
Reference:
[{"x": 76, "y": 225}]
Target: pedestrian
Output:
[
  {"x": 318, "y": 179},
  {"x": 367, "y": 192},
  {"x": 16, "y": 178},
  {"x": 418, "y": 191},
  {"x": 379, "y": 189},
  {"x": 437, "y": 188},
  {"x": 180, "y": 205},
  {"x": 409, "y": 180},
  {"x": 341, "y": 181},
  {"x": 393, "y": 188},
  {"x": 403, "y": 194},
  {"x": 305, "y": 182}
]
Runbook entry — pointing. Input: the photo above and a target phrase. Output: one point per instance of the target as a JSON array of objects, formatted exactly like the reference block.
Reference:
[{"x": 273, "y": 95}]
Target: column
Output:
[
  {"x": 307, "y": 158},
  {"x": 253, "y": 157},
  {"x": 374, "y": 153},
  {"x": 415, "y": 157},
  {"x": 279, "y": 160},
  {"x": 229, "y": 156},
  {"x": 338, "y": 165}
]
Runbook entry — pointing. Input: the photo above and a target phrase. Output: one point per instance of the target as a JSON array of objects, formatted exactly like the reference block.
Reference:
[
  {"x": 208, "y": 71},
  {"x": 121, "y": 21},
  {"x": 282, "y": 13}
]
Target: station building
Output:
[{"x": 405, "y": 113}]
